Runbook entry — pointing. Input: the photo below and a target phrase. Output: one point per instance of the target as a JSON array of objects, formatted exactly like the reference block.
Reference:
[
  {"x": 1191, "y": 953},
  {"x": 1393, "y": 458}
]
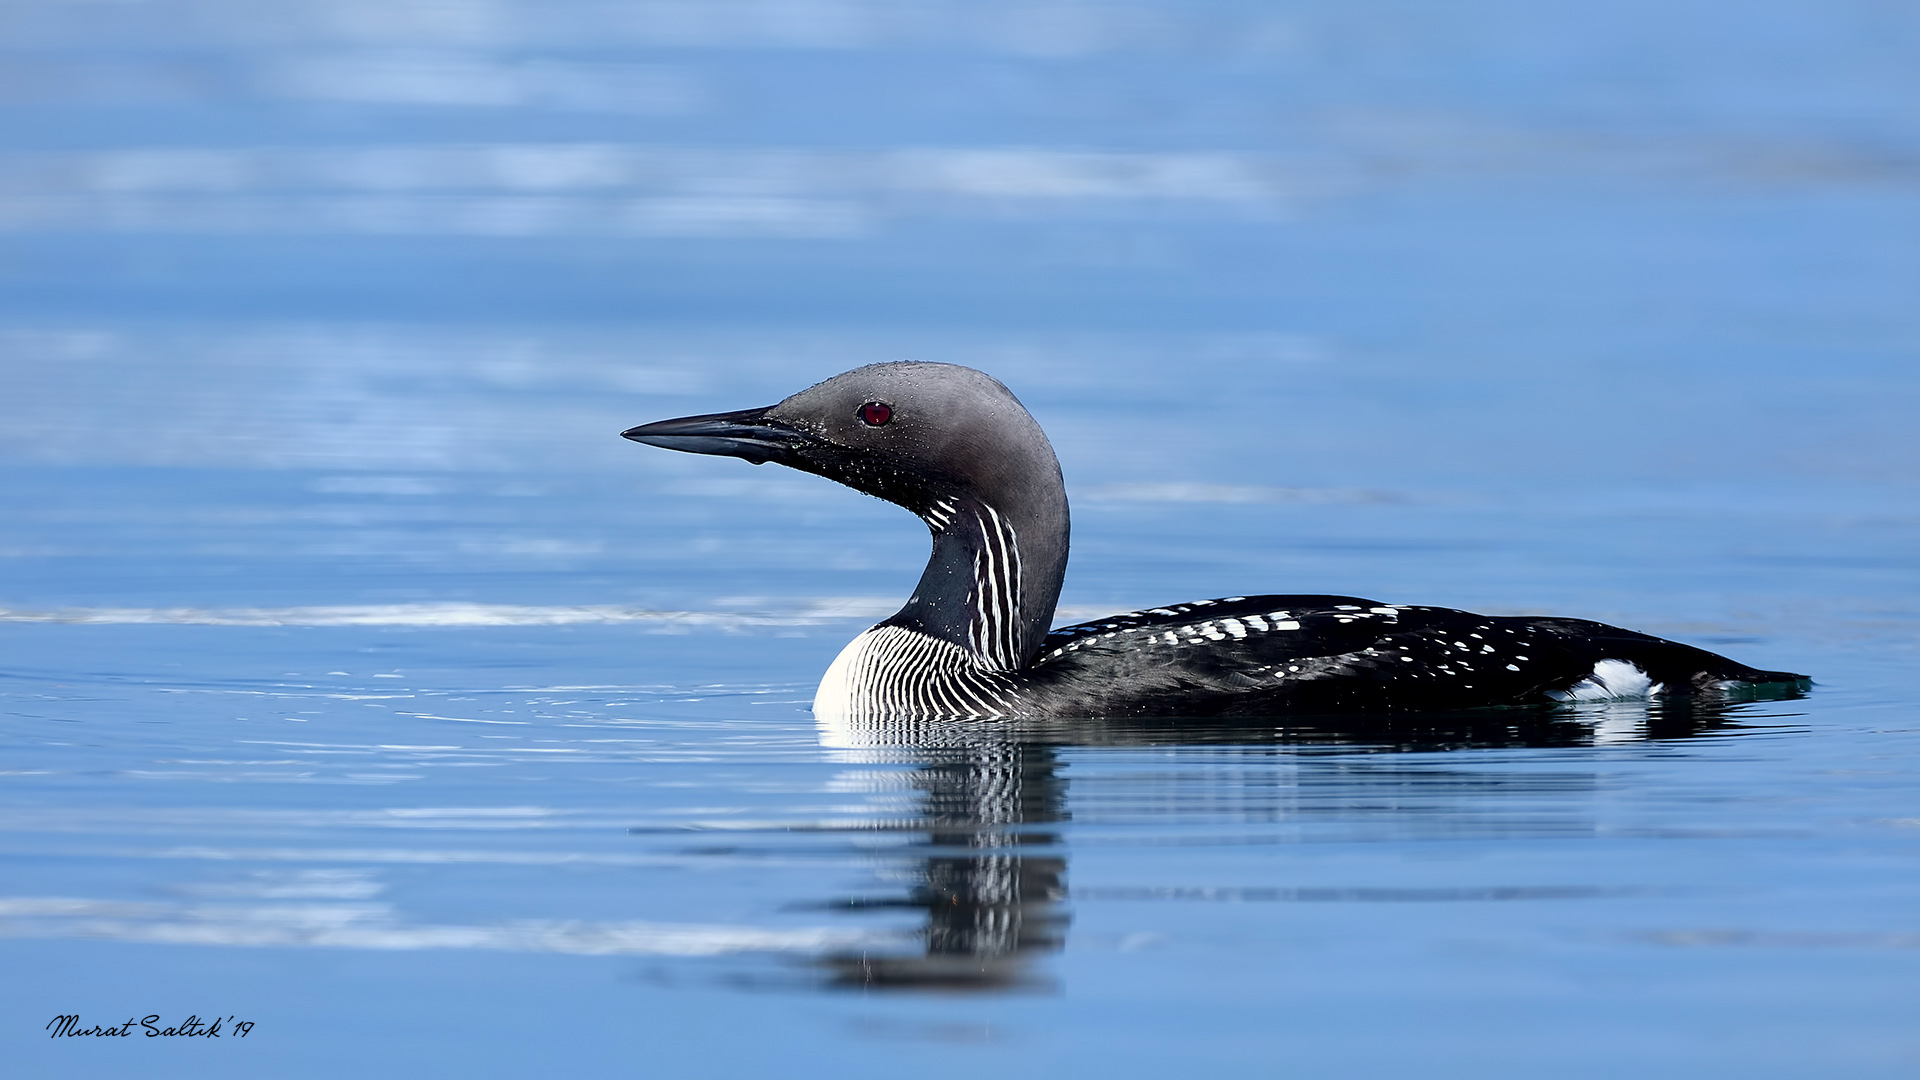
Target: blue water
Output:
[{"x": 359, "y": 683}]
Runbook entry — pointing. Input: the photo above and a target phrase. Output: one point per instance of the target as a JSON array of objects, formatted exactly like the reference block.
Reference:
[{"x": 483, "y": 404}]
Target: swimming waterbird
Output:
[{"x": 956, "y": 448}]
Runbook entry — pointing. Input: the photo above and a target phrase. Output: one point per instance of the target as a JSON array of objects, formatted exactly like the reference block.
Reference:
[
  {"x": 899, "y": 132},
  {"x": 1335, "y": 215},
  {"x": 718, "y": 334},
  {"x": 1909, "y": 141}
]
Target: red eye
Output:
[{"x": 875, "y": 413}]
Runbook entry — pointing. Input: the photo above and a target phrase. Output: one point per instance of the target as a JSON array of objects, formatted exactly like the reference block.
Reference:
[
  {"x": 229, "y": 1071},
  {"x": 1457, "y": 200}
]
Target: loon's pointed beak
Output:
[{"x": 749, "y": 434}]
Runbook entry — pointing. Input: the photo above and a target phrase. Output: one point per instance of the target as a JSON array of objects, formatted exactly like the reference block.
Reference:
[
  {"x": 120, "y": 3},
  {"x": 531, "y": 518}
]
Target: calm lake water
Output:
[{"x": 357, "y": 682}]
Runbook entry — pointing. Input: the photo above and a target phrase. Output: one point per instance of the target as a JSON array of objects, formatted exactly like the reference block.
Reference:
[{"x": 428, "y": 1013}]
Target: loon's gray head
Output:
[{"x": 949, "y": 443}]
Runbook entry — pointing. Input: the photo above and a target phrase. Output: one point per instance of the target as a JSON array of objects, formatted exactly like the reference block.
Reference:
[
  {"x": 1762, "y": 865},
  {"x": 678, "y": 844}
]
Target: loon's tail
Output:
[{"x": 1629, "y": 664}]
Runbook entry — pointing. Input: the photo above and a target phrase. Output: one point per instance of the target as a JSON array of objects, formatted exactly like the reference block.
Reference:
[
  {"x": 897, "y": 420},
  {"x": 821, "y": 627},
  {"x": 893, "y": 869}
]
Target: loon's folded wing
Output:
[{"x": 1266, "y": 655}]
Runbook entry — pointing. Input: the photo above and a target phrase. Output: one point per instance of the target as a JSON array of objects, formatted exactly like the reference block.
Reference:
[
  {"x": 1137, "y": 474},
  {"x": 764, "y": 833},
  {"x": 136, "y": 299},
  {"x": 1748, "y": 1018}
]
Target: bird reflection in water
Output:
[
  {"x": 991, "y": 882},
  {"x": 990, "y": 873}
]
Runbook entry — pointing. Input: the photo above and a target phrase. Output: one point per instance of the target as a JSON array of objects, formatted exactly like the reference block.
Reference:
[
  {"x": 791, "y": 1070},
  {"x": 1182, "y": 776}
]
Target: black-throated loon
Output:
[{"x": 956, "y": 447}]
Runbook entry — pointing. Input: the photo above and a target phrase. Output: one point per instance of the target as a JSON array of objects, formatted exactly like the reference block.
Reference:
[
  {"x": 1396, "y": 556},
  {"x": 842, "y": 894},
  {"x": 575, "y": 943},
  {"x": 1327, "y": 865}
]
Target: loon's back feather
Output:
[{"x": 1267, "y": 655}]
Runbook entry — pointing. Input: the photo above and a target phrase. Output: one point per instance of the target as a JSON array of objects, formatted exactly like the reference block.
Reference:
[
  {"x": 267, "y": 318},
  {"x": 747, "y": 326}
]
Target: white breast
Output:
[
  {"x": 834, "y": 699},
  {"x": 897, "y": 672}
]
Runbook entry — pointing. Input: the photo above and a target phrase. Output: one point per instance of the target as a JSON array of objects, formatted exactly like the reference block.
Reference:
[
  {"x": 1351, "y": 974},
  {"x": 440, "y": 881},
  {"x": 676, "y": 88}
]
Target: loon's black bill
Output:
[{"x": 745, "y": 434}]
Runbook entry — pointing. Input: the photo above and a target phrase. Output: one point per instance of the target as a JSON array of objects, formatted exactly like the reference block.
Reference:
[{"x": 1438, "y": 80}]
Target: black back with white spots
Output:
[{"x": 1265, "y": 655}]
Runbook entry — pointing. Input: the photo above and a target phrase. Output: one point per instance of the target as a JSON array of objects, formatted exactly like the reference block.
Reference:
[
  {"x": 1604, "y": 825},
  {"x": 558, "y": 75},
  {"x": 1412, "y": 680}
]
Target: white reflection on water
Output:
[
  {"x": 806, "y": 613},
  {"x": 603, "y": 189},
  {"x": 478, "y": 80},
  {"x": 1018, "y": 27},
  {"x": 1236, "y": 493},
  {"x": 375, "y": 926},
  {"x": 467, "y": 398}
]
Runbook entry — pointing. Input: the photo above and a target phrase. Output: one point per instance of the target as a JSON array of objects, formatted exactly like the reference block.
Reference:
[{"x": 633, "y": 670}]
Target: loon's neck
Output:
[{"x": 993, "y": 580}]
